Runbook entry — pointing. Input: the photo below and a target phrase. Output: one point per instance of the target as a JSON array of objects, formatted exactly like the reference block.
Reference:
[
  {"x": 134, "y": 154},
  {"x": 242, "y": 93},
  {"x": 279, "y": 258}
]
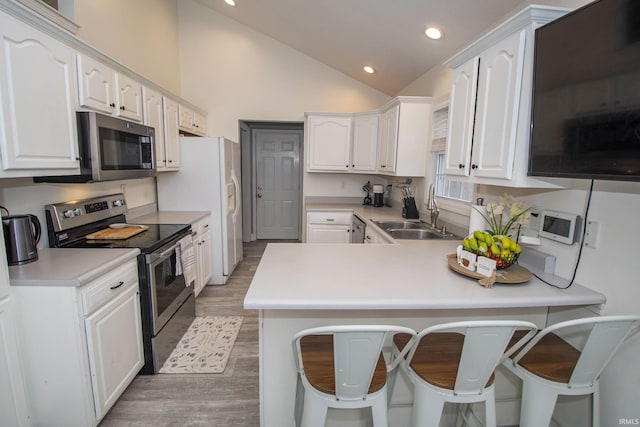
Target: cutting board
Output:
[{"x": 116, "y": 233}]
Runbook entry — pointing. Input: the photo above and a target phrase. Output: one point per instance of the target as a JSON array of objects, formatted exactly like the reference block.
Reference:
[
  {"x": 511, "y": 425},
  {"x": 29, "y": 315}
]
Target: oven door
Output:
[{"x": 167, "y": 286}]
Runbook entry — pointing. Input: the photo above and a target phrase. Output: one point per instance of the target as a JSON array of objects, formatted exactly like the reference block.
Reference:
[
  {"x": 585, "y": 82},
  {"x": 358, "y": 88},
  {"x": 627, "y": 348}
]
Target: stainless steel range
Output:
[{"x": 167, "y": 300}]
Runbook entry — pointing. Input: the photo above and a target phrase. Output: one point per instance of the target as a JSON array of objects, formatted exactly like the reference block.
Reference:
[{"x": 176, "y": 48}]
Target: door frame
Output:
[{"x": 249, "y": 168}]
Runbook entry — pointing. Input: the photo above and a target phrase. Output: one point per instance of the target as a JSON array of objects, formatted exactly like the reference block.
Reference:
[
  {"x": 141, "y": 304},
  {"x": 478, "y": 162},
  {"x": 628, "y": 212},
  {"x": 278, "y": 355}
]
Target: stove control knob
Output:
[
  {"x": 69, "y": 213},
  {"x": 119, "y": 202},
  {"x": 77, "y": 212}
]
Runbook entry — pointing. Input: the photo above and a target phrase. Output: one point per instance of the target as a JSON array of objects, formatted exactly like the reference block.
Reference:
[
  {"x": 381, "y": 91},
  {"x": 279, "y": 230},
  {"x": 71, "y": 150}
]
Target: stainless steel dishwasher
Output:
[{"x": 358, "y": 228}]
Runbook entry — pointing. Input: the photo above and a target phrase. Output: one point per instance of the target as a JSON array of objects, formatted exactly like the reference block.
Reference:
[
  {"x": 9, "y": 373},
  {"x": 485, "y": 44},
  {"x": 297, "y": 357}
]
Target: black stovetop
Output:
[{"x": 152, "y": 239}]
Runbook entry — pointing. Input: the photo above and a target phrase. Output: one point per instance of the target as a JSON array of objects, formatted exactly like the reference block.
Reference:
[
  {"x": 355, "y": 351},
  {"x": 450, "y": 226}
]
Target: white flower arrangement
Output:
[{"x": 516, "y": 211}]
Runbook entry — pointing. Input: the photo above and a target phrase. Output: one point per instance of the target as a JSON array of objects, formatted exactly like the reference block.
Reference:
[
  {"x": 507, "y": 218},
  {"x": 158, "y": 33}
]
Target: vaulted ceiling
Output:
[{"x": 385, "y": 34}]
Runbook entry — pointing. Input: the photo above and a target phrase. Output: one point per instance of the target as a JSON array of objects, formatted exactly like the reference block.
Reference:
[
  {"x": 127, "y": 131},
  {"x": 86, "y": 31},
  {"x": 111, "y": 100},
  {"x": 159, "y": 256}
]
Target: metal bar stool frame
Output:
[{"x": 357, "y": 352}]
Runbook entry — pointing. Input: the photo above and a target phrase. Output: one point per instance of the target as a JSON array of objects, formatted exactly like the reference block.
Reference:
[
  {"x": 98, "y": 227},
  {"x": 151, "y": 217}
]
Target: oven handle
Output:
[{"x": 156, "y": 257}]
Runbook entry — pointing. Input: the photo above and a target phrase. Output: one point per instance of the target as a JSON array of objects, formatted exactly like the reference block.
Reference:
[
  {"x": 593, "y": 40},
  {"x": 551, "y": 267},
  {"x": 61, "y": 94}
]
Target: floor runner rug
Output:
[{"x": 205, "y": 347}]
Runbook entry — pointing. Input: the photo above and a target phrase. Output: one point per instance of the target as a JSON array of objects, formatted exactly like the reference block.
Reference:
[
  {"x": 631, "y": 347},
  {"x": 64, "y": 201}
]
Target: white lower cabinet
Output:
[
  {"x": 80, "y": 346},
  {"x": 329, "y": 227},
  {"x": 13, "y": 404},
  {"x": 203, "y": 246}
]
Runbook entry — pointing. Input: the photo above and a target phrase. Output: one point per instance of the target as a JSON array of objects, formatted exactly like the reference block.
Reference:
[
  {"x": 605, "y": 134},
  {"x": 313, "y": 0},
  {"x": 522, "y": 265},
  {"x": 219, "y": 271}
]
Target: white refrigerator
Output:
[{"x": 209, "y": 180}]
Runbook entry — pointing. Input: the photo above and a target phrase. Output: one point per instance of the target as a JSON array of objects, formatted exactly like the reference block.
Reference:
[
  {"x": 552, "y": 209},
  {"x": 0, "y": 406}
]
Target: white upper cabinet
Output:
[
  {"x": 489, "y": 125},
  {"x": 103, "y": 89},
  {"x": 161, "y": 113},
  {"x": 96, "y": 85},
  {"x": 404, "y": 135},
  {"x": 497, "y": 105},
  {"x": 389, "y": 141},
  {"x": 129, "y": 98},
  {"x": 171, "y": 134},
  {"x": 191, "y": 121},
  {"x": 329, "y": 142},
  {"x": 462, "y": 101},
  {"x": 364, "y": 147},
  {"x": 38, "y": 133}
]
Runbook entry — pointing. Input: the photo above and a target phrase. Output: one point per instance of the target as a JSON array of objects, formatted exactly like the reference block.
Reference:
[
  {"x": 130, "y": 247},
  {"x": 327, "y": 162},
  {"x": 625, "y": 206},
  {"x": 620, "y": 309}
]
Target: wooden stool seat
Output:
[
  {"x": 317, "y": 356},
  {"x": 437, "y": 357},
  {"x": 552, "y": 358},
  {"x": 550, "y": 367}
]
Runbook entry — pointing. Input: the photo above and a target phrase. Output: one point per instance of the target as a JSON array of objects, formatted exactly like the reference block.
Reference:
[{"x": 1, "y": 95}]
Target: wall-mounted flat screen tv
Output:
[{"x": 586, "y": 97}]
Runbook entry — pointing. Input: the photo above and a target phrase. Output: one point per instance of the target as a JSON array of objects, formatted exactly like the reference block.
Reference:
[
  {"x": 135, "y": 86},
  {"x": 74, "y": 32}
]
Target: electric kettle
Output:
[{"x": 21, "y": 235}]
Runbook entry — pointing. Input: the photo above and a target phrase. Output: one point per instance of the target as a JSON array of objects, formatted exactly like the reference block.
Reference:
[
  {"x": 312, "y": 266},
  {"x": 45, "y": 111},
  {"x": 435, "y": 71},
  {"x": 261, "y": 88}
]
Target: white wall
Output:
[
  {"x": 140, "y": 34},
  {"x": 237, "y": 74}
]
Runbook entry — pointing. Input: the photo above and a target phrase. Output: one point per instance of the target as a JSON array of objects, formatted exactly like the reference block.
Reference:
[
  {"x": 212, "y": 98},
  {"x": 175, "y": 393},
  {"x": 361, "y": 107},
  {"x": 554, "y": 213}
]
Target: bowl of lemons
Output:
[{"x": 501, "y": 248}]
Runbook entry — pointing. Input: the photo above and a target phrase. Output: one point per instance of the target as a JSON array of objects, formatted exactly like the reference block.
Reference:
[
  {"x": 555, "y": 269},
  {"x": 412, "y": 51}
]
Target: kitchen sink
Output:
[
  {"x": 412, "y": 230},
  {"x": 398, "y": 225}
]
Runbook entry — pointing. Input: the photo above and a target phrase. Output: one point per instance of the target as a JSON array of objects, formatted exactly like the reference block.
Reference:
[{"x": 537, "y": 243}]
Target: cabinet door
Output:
[
  {"x": 13, "y": 405},
  {"x": 38, "y": 86},
  {"x": 205, "y": 268},
  {"x": 500, "y": 83},
  {"x": 129, "y": 98},
  {"x": 154, "y": 116},
  {"x": 329, "y": 142},
  {"x": 365, "y": 143},
  {"x": 318, "y": 233},
  {"x": 114, "y": 340},
  {"x": 186, "y": 118},
  {"x": 199, "y": 124},
  {"x": 96, "y": 85},
  {"x": 462, "y": 103},
  {"x": 171, "y": 134},
  {"x": 388, "y": 140}
]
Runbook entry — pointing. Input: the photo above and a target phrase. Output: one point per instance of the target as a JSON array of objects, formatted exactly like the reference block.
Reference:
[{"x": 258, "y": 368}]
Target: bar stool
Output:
[
  {"x": 454, "y": 362},
  {"x": 549, "y": 366},
  {"x": 343, "y": 367}
]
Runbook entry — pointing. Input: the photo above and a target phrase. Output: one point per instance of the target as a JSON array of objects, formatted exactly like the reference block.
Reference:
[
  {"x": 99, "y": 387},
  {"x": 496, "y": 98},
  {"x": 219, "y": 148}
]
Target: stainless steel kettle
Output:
[{"x": 21, "y": 235}]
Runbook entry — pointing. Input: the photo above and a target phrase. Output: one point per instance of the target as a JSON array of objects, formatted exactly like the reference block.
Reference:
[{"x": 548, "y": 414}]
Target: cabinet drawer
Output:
[
  {"x": 109, "y": 286},
  {"x": 201, "y": 226},
  {"x": 343, "y": 218}
]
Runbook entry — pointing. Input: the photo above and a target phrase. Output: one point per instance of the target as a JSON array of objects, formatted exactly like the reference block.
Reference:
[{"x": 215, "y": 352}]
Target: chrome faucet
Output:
[{"x": 432, "y": 206}]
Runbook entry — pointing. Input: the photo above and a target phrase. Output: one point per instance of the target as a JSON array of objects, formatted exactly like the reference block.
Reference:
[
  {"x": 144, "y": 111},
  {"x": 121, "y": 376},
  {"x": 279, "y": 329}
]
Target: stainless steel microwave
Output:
[{"x": 111, "y": 149}]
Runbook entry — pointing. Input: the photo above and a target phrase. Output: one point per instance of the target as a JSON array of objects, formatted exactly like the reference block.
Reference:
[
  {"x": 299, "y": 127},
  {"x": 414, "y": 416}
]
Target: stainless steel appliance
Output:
[
  {"x": 167, "y": 300},
  {"x": 21, "y": 235},
  {"x": 358, "y": 228},
  {"x": 111, "y": 149},
  {"x": 378, "y": 195},
  {"x": 214, "y": 187}
]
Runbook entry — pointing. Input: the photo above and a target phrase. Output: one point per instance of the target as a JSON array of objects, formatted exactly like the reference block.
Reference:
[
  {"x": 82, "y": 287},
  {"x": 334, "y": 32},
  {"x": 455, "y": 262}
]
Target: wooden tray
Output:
[
  {"x": 116, "y": 233},
  {"x": 509, "y": 276}
]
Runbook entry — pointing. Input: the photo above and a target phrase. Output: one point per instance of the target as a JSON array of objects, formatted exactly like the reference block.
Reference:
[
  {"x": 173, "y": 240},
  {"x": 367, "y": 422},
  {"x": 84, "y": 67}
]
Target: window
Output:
[{"x": 444, "y": 187}]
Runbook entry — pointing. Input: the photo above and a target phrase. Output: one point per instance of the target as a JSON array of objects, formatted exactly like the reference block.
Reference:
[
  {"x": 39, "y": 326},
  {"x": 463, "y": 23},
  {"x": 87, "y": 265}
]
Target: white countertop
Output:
[
  {"x": 409, "y": 275},
  {"x": 170, "y": 217},
  {"x": 69, "y": 266}
]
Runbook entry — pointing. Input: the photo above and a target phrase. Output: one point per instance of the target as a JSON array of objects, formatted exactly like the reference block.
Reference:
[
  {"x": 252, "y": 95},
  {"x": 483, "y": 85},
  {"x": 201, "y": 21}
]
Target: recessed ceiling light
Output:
[
  {"x": 433, "y": 33},
  {"x": 369, "y": 69},
  {"x": 230, "y": 2}
]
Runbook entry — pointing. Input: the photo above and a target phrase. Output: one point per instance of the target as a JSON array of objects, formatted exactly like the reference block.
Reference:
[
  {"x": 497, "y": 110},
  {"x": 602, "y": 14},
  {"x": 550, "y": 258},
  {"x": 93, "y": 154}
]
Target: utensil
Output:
[{"x": 124, "y": 225}]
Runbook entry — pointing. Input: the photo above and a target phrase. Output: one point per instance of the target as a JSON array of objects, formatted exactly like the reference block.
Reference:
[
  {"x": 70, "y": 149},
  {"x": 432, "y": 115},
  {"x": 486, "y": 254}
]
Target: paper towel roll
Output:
[{"x": 476, "y": 221}]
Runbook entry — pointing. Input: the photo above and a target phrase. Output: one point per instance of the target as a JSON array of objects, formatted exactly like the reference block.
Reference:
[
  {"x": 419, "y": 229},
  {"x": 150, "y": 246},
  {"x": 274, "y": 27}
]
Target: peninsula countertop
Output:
[{"x": 409, "y": 275}]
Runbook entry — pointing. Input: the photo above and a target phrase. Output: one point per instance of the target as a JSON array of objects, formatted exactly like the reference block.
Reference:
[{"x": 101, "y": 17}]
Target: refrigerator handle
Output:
[{"x": 236, "y": 193}]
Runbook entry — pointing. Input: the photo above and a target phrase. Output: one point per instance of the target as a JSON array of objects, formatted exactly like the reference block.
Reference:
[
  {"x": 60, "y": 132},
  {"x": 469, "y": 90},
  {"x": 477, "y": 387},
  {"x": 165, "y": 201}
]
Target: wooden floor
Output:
[{"x": 229, "y": 399}]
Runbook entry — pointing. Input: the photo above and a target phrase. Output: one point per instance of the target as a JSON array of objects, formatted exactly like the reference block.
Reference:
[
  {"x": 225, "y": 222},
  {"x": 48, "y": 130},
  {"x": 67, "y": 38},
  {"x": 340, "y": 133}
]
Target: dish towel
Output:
[{"x": 187, "y": 255}]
